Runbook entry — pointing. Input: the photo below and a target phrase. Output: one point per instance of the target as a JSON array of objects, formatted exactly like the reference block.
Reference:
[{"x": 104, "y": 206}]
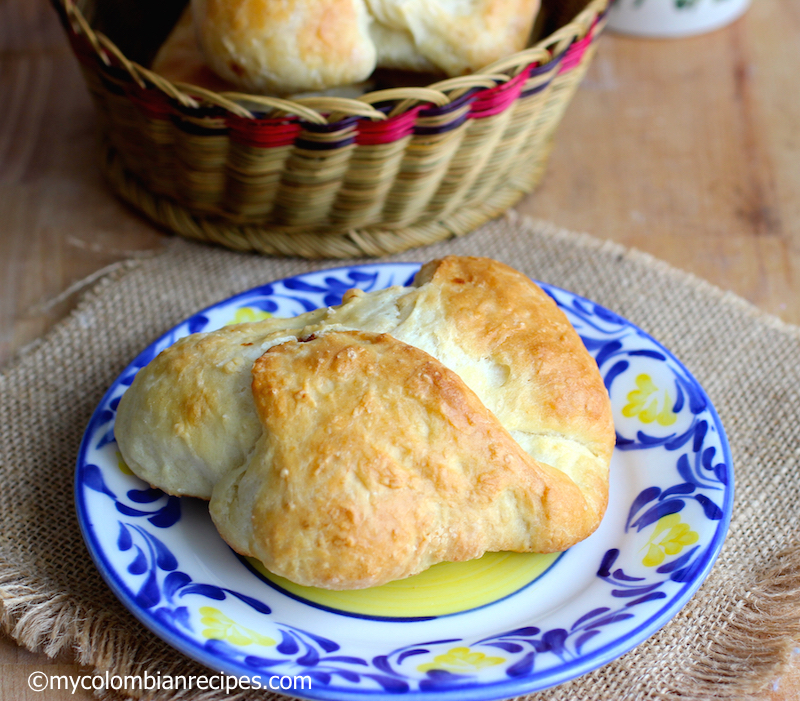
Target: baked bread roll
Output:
[
  {"x": 294, "y": 46},
  {"x": 286, "y": 46},
  {"x": 377, "y": 462},
  {"x": 189, "y": 416},
  {"x": 516, "y": 419},
  {"x": 455, "y": 36}
]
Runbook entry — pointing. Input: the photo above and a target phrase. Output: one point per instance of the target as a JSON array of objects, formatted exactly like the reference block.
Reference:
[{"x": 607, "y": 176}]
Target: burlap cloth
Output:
[{"x": 729, "y": 641}]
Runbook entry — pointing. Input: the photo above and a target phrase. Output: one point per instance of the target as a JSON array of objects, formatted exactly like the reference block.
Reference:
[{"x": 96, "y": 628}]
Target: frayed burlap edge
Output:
[
  {"x": 762, "y": 632},
  {"x": 762, "y": 628},
  {"x": 48, "y": 621}
]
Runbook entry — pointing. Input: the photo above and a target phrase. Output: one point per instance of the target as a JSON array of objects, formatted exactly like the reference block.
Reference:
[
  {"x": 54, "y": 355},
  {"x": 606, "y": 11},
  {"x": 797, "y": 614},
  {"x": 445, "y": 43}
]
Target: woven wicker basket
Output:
[{"x": 324, "y": 177}]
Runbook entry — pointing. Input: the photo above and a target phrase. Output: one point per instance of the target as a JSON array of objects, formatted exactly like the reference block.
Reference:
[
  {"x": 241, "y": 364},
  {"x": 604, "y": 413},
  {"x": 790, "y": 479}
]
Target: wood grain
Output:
[
  {"x": 58, "y": 222},
  {"x": 686, "y": 149}
]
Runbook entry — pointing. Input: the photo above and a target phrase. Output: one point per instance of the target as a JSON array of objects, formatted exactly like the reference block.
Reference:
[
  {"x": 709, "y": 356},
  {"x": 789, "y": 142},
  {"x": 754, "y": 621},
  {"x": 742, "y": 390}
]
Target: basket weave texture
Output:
[{"x": 330, "y": 177}]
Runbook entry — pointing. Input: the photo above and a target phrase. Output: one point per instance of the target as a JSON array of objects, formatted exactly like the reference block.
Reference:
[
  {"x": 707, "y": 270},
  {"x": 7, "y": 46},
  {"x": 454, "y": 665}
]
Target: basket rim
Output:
[{"x": 325, "y": 110}]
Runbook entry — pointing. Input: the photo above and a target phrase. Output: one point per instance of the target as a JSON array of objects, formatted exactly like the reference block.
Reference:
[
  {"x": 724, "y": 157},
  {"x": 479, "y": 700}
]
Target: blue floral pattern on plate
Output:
[{"x": 669, "y": 510}]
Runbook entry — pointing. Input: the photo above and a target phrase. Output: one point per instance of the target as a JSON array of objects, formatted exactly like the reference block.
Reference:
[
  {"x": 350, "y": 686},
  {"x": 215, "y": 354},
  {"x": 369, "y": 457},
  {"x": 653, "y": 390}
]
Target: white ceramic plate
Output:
[{"x": 503, "y": 626}]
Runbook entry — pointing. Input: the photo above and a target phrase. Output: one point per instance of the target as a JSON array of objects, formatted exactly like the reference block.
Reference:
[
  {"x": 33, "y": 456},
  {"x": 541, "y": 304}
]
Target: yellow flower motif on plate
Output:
[
  {"x": 649, "y": 403},
  {"x": 247, "y": 314},
  {"x": 461, "y": 659},
  {"x": 678, "y": 535},
  {"x": 220, "y": 627}
]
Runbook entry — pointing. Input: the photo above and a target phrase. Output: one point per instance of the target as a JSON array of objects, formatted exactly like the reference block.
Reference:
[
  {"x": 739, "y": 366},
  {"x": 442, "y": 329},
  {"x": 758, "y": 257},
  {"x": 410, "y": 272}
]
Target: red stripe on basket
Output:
[
  {"x": 389, "y": 130},
  {"x": 154, "y": 103},
  {"x": 575, "y": 52},
  {"x": 496, "y": 100},
  {"x": 262, "y": 133}
]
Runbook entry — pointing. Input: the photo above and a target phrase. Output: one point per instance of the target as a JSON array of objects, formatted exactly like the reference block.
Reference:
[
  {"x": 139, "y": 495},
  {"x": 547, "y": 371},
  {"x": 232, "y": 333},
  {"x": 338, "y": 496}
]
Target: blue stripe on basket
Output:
[
  {"x": 323, "y": 145},
  {"x": 450, "y": 106},
  {"x": 466, "y": 98},
  {"x": 533, "y": 90},
  {"x": 345, "y": 123},
  {"x": 552, "y": 64},
  {"x": 441, "y": 129}
]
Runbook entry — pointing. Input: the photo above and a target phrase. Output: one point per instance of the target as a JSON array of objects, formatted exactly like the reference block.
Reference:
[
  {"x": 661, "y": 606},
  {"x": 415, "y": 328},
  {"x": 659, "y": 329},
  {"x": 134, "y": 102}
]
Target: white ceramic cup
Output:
[{"x": 673, "y": 18}]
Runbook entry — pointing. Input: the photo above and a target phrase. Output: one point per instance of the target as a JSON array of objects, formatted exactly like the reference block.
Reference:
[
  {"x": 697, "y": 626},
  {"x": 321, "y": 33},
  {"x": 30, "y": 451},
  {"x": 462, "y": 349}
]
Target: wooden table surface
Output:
[{"x": 688, "y": 149}]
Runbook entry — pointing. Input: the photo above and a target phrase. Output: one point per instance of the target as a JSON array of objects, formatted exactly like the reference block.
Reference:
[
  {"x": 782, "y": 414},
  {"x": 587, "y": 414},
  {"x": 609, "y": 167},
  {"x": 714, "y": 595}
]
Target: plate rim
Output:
[{"x": 479, "y": 691}]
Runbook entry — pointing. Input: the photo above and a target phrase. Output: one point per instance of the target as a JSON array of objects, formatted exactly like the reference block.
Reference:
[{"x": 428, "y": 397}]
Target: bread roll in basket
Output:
[
  {"x": 294, "y": 46},
  {"x": 320, "y": 176}
]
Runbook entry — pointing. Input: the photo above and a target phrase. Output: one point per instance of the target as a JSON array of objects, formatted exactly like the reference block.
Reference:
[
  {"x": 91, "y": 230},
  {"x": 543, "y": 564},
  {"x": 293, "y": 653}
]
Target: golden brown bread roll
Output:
[
  {"x": 377, "y": 462},
  {"x": 189, "y": 416},
  {"x": 455, "y": 36},
  {"x": 293, "y": 46},
  {"x": 217, "y": 414},
  {"x": 283, "y": 47}
]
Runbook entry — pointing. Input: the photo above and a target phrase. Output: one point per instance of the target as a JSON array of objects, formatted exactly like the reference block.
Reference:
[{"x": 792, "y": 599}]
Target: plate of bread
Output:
[{"x": 393, "y": 480}]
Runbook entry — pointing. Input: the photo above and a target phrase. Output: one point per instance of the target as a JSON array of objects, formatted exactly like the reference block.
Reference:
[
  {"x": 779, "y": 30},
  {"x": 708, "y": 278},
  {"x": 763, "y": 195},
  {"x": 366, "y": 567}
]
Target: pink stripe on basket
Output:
[
  {"x": 575, "y": 52},
  {"x": 493, "y": 101},
  {"x": 393, "y": 129}
]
